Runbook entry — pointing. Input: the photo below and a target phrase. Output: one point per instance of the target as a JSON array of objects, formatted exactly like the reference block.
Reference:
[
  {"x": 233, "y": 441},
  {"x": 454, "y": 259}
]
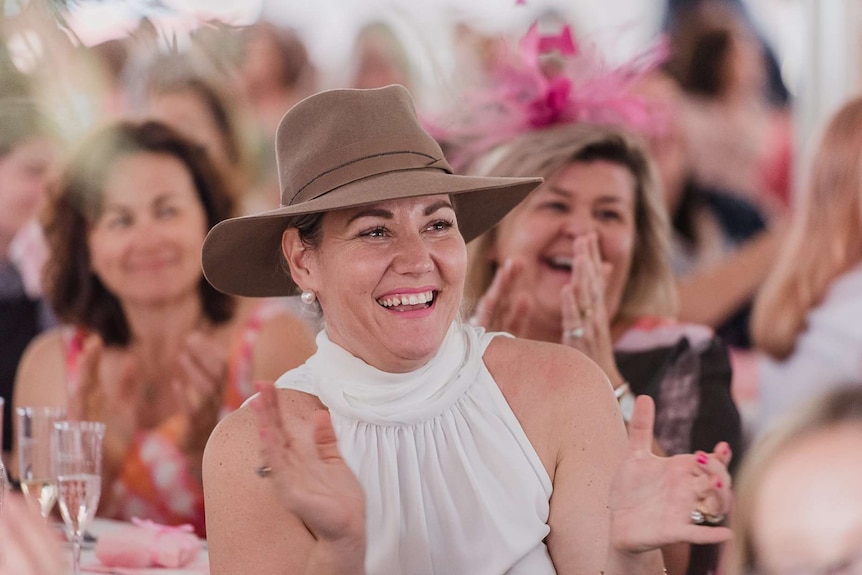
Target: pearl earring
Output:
[{"x": 308, "y": 297}]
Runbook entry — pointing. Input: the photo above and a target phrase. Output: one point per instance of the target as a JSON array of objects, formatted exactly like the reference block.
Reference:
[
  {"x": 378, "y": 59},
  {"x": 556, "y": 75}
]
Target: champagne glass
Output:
[
  {"x": 78, "y": 460},
  {"x": 35, "y": 432}
]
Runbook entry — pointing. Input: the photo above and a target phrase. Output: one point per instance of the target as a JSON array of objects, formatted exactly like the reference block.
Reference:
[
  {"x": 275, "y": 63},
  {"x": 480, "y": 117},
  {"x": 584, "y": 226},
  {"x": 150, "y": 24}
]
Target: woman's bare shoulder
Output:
[
  {"x": 248, "y": 529},
  {"x": 235, "y": 438},
  {"x": 41, "y": 374},
  {"x": 521, "y": 364}
]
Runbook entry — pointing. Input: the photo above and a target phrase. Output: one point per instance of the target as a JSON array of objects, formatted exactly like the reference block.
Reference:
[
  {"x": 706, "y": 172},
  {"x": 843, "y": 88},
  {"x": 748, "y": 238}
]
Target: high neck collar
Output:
[{"x": 351, "y": 387}]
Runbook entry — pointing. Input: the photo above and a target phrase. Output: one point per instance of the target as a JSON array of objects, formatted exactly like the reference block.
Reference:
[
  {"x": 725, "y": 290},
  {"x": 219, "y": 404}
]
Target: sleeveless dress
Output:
[
  {"x": 154, "y": 481},
  {"x": 451, "y": 480}
]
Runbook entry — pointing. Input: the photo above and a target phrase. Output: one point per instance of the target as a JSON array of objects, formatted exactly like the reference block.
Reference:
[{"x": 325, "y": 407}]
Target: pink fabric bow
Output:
[{"x": 148, "y": 544}]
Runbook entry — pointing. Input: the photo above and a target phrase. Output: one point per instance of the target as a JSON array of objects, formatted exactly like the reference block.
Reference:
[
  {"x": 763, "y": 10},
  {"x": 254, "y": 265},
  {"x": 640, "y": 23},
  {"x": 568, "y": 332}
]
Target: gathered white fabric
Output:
[{"x": 452, "y": 483}]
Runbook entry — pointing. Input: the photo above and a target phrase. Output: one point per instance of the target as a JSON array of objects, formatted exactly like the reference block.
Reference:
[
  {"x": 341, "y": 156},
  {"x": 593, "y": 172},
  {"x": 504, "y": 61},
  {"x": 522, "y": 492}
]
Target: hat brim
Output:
[{"x": 242, "y": 256}]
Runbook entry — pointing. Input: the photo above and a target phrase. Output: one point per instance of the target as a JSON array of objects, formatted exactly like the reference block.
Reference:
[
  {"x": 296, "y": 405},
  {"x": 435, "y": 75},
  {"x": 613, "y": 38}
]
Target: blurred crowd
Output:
[{"x": 715, "y": 286}]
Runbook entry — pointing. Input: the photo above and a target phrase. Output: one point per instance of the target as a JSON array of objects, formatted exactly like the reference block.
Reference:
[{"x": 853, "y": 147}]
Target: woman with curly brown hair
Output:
[{"x": 148, "y": 346}]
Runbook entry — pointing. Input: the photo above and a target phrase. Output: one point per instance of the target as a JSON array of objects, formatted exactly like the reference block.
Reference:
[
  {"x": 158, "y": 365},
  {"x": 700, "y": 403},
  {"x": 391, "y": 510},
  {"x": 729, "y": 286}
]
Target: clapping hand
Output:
[
  {"x": 107, "y": 395},
  {"x": 200, "y": 386},
  {"x": 310, "y": 477},
  {"x": 656, "y": 501},
  {"x": 500, "y": 308}
]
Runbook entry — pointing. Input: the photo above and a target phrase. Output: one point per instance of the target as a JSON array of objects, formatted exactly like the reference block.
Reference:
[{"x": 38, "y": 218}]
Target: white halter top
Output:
[{"x": 453, "y": 485}]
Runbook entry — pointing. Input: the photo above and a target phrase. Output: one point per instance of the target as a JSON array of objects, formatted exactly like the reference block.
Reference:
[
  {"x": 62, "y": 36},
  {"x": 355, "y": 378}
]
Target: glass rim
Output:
[
  {"x": 81, "y": 425},
  {"x": 30, "y": 409}
]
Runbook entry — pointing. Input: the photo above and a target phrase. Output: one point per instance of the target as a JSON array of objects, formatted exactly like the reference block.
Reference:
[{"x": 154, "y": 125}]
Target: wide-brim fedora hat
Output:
[{"x": 345, "y": 148}]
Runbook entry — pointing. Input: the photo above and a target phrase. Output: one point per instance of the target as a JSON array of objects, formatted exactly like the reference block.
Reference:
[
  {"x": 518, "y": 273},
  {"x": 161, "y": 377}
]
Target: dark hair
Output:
[
  {"x": 702, "y": 40},
  {"x": 75, "y": 292},
  {"x": 310, "y": 227}
]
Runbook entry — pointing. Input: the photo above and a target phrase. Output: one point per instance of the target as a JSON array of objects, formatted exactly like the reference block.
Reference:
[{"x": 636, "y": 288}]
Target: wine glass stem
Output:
[{"x": 76, "y": 554}]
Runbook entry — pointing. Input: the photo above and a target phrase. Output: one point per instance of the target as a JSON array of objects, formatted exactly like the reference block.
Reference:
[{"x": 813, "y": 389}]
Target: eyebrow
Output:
[
  {"x": 160, "y": 199},
  {"x": 438, "y": 205},
  {"x": 388, "y": 215}
]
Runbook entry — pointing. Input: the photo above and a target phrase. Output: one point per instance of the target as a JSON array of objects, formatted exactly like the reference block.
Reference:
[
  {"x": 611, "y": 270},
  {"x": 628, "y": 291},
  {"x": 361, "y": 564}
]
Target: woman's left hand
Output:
[
  {"x": 201, "y": 386},
  {"x": 586, "y": 325},
  {"x": 656, "y": 501}
]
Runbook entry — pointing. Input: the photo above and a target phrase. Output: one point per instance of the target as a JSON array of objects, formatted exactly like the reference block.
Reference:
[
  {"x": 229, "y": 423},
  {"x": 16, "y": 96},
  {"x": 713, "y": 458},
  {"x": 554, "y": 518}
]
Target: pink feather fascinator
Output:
[{"x": 548, "y": 80}]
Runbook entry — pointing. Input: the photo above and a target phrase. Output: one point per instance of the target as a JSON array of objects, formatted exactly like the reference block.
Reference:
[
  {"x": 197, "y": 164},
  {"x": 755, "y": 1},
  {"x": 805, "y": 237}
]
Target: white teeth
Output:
[
  {"x": 562, "y": 261},
  {"x": 406, "y": 299}
]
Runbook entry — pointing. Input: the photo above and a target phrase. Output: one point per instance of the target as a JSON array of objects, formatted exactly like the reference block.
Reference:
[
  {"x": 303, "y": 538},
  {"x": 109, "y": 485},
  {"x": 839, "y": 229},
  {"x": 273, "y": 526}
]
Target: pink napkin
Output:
[{"x": 148, "y": 544}]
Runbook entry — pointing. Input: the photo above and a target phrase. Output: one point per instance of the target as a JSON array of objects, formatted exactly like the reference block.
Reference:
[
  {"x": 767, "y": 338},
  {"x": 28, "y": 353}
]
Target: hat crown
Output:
[{"x": 340, "y": 136}]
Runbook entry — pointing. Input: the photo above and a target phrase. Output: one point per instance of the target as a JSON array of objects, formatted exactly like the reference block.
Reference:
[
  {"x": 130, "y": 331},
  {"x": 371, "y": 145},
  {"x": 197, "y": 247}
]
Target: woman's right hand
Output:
[{"x": 311, "y": 479}]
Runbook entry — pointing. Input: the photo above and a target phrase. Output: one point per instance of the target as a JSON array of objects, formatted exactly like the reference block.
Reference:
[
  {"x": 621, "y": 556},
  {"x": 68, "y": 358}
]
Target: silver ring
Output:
[
  {"x": 697, "y": 517},
  {"x": 264, "y": 471},
  {"x": 576, "y": 333}
]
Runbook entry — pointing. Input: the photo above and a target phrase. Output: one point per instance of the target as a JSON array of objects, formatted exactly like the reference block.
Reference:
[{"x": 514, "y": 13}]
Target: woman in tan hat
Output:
[{"x": 411, "y": 442}]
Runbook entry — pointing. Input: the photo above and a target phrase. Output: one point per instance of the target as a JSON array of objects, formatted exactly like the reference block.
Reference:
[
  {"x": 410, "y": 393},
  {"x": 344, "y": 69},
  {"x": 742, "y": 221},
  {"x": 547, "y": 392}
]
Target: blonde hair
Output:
[
  {"x": 650, "y": 287},
  {"x": 824, "y": 241},
  {"x": 834, "y": 409}
]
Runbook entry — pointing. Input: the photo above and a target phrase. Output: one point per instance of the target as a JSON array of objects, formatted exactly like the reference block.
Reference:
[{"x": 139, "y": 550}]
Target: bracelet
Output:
[
  {"x": 621, "y": 390},
  {"x": 626, "y": 398}
]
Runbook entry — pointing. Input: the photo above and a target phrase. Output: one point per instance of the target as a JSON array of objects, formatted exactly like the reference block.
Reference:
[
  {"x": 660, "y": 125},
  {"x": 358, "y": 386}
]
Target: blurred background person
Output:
[
  {"x": 29, "y": 150},
  {"x": 797, "y": 507},
  {"x": 807, "y": 319},
  {"x": 205, "y": 108},
  {"x": 738, "y": 140},
  {"x": 722, "y": 244},
  {"x": 380, "y": 58},
  {"x": 275, "y": 72},
  {"x": 583, "y": 261},
  {"x": 147, "y": 345}
]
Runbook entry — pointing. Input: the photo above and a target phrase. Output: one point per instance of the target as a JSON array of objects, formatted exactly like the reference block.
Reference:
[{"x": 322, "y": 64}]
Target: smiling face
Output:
[
  {"x": 807, "y": 513},
  {"x": 389, "y": 277},
  {"x": 145, "y": 245},
  {"x": 581, "y": 198}
]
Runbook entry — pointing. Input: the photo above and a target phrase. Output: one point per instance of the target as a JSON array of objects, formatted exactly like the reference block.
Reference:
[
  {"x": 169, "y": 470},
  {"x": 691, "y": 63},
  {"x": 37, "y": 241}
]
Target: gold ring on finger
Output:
[{"x": 713, "y": 519}]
